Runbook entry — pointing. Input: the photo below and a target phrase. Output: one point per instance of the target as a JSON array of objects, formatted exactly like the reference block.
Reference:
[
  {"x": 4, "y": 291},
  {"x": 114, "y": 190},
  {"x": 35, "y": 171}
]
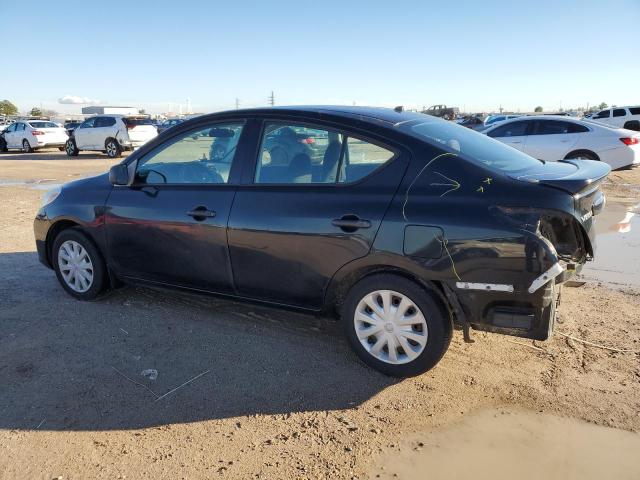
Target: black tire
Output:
[
  {"x": 582, "y": 155},
  {"x": 61, "y": 149},
  {"x": 3, "y": 145},
  {"x": 26, "y": 146},
  {"x": 113, "y": 148},
  {"x": 438, "y": 322},
  {"x": 99, "y": 282},
  {"x": 71, "y": 148}
]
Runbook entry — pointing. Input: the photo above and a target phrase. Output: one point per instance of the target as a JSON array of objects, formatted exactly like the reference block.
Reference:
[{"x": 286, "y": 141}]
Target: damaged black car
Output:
[{"x": 400, "y": 224}]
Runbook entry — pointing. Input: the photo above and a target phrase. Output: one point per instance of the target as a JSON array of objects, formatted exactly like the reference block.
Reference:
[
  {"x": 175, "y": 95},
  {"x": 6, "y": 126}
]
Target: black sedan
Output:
[{"x": 403, "y": 226}]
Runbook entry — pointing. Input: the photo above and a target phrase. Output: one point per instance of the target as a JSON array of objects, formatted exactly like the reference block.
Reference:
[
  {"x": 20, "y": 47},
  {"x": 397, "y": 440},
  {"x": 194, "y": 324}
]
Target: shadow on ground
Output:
[
  {"x": 59, "y": 356},
  {"x": 53, "y": 154}
]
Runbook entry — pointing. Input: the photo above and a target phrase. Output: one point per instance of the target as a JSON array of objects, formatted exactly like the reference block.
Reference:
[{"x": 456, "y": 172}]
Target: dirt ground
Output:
[{"x": 276, "y": 394}]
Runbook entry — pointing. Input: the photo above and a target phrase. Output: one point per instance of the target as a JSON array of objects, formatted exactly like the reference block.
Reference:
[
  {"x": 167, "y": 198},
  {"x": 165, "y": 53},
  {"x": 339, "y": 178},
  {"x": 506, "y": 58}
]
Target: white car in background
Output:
[
  {"x": 111, "y": 134},
  {"x": 617, "y": 116},
  {"x": 491, "y": 119},
  {"x": 553, "y": 138},
  {"x": 30, "y": 135}
]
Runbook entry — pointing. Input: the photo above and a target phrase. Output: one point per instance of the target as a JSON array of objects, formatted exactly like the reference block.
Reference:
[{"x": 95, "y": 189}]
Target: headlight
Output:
[{"x": 50, "y": 196}]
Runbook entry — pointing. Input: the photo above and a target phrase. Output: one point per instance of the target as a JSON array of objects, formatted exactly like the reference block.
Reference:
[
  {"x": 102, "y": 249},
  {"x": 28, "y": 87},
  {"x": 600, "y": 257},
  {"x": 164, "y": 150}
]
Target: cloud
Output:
[{"x": 74, "y": 100}]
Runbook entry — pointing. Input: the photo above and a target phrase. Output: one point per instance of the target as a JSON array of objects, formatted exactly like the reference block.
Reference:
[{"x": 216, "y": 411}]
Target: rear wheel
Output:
[
  {"x": 396, "y": 326},
  {"x": 26, "y": 146},
  {"x": 3, "y": 145},
  {"x": 112, "y": 148},
  {"x": 71, "y": 148},
  {"x": 78, "y": 265},
  {"x": 582, "y": 155}
]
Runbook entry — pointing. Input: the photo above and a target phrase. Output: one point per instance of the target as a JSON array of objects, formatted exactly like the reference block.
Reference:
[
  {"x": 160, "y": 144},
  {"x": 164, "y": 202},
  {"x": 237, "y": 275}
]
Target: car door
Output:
[
  {"x": 553, "y": 139},
  {"x": 300, "y": 216},
  {"x": 9, "y": 136},
  {"x": 169, "y": 226},
  {"x": 513, "y": 133},
  {"x": 83, "y": 135},
  {"x": 102, "y": 128}
]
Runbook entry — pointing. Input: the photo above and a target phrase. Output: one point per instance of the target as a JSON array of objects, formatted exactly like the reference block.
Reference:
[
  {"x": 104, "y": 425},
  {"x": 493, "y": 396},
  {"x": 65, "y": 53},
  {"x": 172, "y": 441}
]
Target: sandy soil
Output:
[{"x": 280, "y": 394}]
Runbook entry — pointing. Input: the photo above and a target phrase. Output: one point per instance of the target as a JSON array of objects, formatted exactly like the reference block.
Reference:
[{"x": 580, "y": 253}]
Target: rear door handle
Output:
[
  {"x": 201, "y": 213},
  {"x": 350, "y": 223}
]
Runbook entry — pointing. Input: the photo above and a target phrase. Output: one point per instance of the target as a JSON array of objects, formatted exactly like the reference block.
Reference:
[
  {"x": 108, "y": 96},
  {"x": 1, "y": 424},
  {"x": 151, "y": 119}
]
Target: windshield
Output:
[
  {"x": 478, "y": 148},
  {"x": 44, "y": 125}
]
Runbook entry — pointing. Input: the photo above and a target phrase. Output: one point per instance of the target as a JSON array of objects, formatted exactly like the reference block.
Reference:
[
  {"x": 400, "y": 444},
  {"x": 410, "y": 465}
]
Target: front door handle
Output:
[
  {"x": 350, "y": 223},
  {"x": 201, "y": 213}
]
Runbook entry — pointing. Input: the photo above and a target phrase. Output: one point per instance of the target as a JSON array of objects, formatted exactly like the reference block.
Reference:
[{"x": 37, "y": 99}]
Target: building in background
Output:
[{"x": 100, "y": 110}]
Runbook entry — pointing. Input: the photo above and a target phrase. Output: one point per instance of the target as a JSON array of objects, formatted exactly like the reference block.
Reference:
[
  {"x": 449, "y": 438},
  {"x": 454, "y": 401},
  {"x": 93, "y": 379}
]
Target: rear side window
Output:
[
  {"x": 603, "y": 114},
  {"x": 634, "y": 110},
  {"x": 513, "y": 129},
  {"x": 293, "y": 154},
  {"x": 19, "y": 127},
  {"x": 104, "y": 122},
  {"x": 619, "y": 112},
  {"x": 43, "y": 125},
  {"x": 134, "y": 121}
]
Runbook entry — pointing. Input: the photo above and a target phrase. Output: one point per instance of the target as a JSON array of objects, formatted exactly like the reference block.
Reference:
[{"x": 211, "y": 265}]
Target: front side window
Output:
[
  {"x": 513, "y": 129},
  {"x": 603, "y": 114},
  {"x": 200, "y": 156},
  {"x": 293, "y": 154},
  {"x": 619, "y": 112},
  {"x": 552, "y": 127},
  {"x": 88, "y": 123},
  {"x": 104, "y": 122}
]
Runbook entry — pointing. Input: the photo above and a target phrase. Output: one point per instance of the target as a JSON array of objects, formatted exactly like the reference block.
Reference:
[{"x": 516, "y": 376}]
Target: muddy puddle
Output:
[
  {"x": 617, "y": 258},
  {"x": 514, "y": 444}
]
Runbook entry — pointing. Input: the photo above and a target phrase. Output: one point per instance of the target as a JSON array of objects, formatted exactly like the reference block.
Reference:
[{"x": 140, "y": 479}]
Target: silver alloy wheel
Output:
[
  {"x": 112, "y": 149},
  {"x": 390, "y": 326},
  {"x": 69, "y": 148},
  {"x": 75, "y": 266}
]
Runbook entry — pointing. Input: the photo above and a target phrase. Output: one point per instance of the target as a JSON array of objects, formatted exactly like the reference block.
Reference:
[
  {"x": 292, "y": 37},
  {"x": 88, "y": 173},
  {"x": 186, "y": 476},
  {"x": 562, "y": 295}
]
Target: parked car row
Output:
[{"x": 32, "y": 135}]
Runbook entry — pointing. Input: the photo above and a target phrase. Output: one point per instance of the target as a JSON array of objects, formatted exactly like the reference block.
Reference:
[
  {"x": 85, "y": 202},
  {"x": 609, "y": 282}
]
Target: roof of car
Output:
[{"x": 372, "y": 114}]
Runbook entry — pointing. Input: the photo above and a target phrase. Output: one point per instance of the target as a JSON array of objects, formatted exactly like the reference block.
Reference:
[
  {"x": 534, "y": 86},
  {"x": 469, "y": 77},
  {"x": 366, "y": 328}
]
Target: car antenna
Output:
[{"x": 399, "y": 109}]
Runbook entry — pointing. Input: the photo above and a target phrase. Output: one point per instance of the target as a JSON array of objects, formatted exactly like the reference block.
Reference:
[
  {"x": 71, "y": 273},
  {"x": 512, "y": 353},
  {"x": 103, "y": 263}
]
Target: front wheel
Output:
[
  {"x": 3, "y": 145},
  {"x": 71, "y": 148},
  {"x": 113, "y": 148},
  {"x": 26, "y": 146},
  {"x": 396, "y": 326},
  {"x": 78, "y": 265}
]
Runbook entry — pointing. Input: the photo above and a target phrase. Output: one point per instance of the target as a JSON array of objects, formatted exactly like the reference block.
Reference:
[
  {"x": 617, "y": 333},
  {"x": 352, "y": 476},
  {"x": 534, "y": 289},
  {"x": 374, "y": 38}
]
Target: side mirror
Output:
[{"x": 119, "y": 174}]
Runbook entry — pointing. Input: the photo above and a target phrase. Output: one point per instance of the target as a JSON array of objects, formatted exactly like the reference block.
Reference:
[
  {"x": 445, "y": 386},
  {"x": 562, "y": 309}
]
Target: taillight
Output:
[
  {"x": 630, "y": 140},
  {"x": 130, "y": 126},
  {"x": 37, "y": 132},
  {"x": 307, "y": 141}
]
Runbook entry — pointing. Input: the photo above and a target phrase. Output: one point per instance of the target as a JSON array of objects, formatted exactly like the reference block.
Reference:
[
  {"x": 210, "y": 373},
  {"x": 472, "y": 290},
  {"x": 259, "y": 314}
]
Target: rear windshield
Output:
[
  {"x": 137, "y": 121},
  {"x": 44, "y": 125},
  {"x": 476, "y": 147}
]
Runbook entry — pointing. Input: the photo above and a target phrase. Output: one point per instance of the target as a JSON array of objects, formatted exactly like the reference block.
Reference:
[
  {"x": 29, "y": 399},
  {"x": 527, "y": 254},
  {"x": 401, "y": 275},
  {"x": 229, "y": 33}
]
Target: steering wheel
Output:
[{"x": 195, "y": 172}]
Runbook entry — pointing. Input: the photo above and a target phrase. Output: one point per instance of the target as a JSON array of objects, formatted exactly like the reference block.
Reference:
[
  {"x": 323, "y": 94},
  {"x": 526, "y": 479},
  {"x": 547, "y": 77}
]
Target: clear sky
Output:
[{"x": 476, "y": 55}]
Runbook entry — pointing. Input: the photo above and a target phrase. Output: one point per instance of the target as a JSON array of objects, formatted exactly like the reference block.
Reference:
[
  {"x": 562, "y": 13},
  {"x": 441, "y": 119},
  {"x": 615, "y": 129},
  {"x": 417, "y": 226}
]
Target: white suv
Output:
[
  {"x": 618, "y": 116},
  {"x": 111, "y": 134}
]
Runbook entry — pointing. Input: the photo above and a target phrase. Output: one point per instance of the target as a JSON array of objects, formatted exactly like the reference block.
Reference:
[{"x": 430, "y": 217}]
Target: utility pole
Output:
[
  {"x": 272, "y": 99},
  {"x": 237, "y": 103}
]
